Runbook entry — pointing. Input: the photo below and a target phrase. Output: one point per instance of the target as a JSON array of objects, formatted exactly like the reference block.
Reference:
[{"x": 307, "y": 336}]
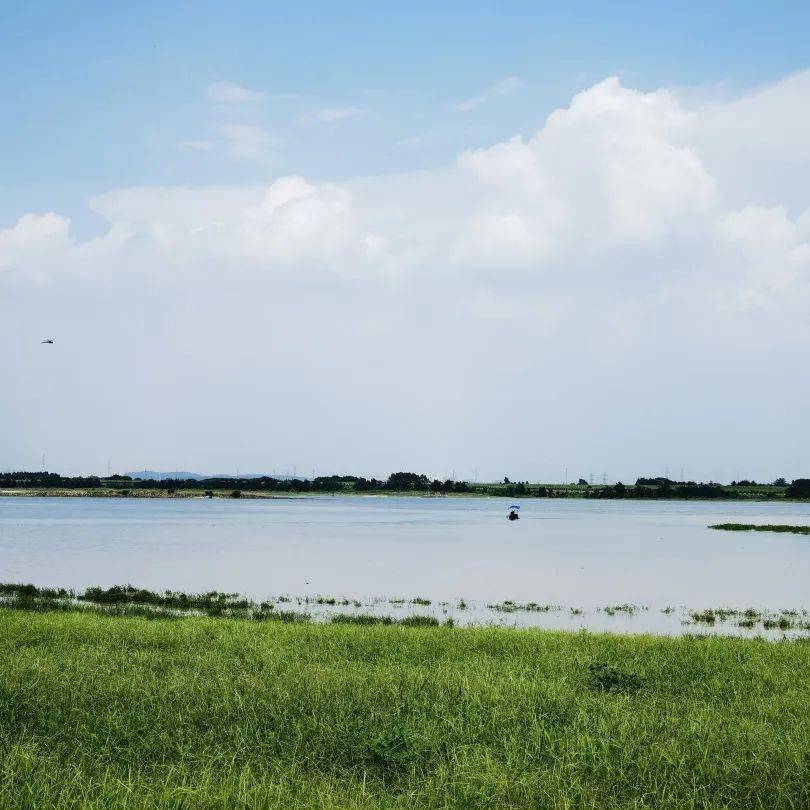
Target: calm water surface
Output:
[{"x": 573, "y": 553}]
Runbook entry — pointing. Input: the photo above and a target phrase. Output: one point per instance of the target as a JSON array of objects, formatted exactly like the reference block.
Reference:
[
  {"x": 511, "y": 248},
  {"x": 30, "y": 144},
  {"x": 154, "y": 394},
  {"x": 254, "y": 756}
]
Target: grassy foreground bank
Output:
[{"x": 206, "y": 712}]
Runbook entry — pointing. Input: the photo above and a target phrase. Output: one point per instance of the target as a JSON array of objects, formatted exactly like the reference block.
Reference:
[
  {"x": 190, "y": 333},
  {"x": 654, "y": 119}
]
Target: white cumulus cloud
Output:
[{"x": 623, "y": 261}]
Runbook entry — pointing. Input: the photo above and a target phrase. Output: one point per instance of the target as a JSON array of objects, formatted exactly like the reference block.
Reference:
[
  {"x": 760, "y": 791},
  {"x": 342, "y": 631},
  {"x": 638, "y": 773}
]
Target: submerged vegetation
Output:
[
  {"x": 630, "y": 610},
  {"x": 508, "y": 606},
  {"x": 127, "y": 600},
  {"x": 751, "y": 617},
  {"x": 761, "y": 527},
  {"x": 223, "y": 712}
]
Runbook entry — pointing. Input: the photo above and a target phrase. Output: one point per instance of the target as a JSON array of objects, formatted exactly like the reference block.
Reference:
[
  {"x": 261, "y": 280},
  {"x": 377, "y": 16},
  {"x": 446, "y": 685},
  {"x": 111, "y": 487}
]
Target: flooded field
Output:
[{"x": 624, "y": 566}]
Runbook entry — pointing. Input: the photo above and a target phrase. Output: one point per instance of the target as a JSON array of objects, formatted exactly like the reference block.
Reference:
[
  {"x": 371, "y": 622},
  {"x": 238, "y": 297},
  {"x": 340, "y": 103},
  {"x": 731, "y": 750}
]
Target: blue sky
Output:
[
  {"x": 99, "y": 95},
  {"x": 505, "y": 237}
]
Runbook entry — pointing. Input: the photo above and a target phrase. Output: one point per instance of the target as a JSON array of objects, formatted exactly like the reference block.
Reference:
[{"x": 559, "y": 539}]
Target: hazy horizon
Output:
[{"x": 473, "y": 241}]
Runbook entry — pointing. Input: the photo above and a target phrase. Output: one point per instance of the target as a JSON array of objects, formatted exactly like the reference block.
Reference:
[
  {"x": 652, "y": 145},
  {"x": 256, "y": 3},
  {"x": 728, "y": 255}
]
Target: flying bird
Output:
[{"x": 48, "y": 340}]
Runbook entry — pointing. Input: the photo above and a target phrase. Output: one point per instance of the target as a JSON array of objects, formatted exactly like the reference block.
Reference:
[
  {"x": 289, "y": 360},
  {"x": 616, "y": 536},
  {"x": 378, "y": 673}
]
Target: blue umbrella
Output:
[{"x": 515, "y": 506}]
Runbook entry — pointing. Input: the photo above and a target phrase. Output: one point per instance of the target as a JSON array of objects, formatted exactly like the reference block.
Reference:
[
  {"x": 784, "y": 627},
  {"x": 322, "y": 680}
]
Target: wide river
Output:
[{"x": 575, "y": 554}]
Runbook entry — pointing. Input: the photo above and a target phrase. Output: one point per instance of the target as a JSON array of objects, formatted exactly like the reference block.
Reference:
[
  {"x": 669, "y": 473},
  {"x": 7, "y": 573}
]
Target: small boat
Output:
[{"x": 513, "y": 512}]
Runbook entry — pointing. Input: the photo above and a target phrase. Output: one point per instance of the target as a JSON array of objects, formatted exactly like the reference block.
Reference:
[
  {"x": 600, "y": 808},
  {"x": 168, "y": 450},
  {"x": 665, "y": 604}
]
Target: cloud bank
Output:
[{"x": 624, "y": 289}]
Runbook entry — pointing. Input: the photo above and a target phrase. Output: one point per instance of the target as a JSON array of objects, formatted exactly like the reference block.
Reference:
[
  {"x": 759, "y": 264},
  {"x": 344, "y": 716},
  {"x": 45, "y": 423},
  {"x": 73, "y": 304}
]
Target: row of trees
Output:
[
  {"x": 396, "y": 482},
  {"x": 800, "y": 488},
  {"x": 645, "y": 488},
  {"x": 41, "y": 480}
]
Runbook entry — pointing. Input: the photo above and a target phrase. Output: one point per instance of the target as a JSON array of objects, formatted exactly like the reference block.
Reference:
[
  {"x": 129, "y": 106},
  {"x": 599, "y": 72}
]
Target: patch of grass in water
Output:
[
  {"x": 360, "y": 618},
  {"x": 285, "y": 616},
  {"x": 712, "y": 615},
  {"x": 508, "y": 606},
  {"x": 761, "y": 527},
  {"x": 127, "y": 594},
  {"x": 630, "y": 610},
  {"x": 746, "y": 618},
  {"x": 703, "y": 617},
  {"x": 534, "y": 607},
  {"x": 777, "y": 623}
]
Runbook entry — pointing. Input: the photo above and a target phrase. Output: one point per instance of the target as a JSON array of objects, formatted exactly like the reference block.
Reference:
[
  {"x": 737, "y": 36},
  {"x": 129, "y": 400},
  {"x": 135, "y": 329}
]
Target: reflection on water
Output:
[{"x": 576, "y": 554}]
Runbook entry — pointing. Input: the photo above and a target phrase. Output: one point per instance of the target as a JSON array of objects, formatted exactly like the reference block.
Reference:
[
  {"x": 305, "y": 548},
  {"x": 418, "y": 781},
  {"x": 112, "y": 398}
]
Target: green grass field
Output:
[{"x": 110, "y": 711}]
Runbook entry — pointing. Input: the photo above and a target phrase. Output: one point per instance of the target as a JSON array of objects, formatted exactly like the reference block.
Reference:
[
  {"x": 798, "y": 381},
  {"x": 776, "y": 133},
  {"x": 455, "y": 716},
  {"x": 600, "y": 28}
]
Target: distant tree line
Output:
[
  {"x": 40, "y": 480},
  {"x": 800, "y": 488},
  {"x": 644, "y": 488}
]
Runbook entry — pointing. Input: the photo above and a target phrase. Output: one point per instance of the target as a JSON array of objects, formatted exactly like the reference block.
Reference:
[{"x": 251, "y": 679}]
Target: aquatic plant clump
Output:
[
  {"x": 119, "y": 594},
  {"x": 703, "y": 617},
  {"x": 762, "y": 527},
  {"x": 629, "y": 609},
  {"x": 508, "y": 606}
]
